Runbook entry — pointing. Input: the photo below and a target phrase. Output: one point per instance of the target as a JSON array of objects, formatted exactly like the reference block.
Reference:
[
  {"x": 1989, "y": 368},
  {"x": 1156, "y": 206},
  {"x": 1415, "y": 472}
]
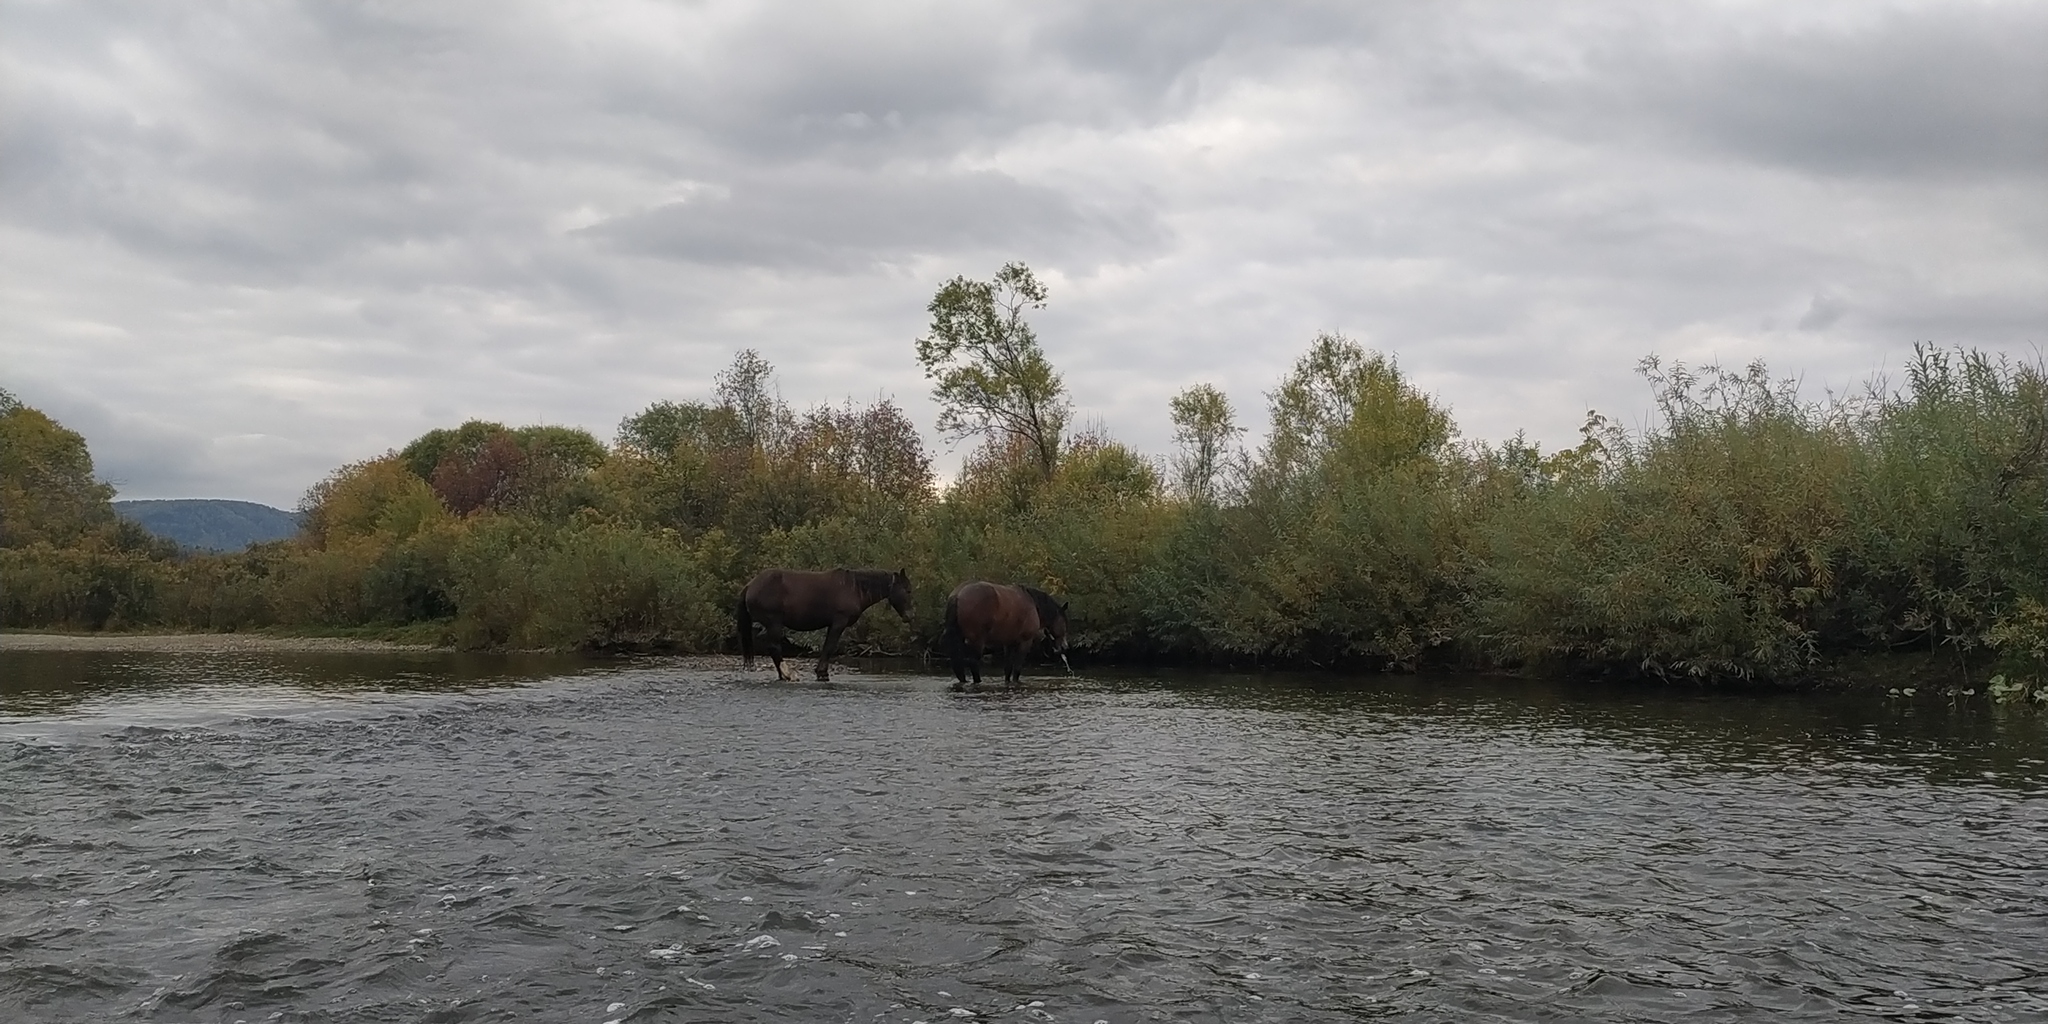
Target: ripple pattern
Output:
[{"x": 674, "y": 842}]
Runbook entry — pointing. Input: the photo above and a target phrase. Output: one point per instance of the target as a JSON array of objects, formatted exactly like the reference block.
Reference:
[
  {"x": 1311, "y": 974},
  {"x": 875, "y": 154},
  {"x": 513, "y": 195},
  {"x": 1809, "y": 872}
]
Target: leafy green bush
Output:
[
  {"x": 594, "y": 584},
  {"x": 1706, "y": 548},
  {"x": 1946, "y": 532},
  {"x": 77, "y": 588},
  {"x": 1749, "y": 534}
]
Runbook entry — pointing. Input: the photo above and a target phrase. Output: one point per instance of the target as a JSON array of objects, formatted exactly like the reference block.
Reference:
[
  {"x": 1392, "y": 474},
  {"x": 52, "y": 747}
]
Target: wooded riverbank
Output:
[{"x": 1746, "y": 535}]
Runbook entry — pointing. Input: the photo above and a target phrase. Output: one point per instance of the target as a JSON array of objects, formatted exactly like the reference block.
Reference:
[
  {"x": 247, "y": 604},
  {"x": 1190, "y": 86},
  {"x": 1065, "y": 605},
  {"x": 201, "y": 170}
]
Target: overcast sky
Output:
[{"x": 243, "y": 243}]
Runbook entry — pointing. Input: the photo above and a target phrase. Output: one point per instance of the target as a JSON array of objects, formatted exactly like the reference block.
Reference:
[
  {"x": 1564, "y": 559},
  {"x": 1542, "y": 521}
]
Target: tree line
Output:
[{"x": 1747, "y": 534}]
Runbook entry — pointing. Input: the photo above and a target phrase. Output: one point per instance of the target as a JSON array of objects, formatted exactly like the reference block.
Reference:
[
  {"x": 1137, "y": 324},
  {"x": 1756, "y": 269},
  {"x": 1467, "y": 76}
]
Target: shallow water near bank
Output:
[{"x": 424, "y": 836}]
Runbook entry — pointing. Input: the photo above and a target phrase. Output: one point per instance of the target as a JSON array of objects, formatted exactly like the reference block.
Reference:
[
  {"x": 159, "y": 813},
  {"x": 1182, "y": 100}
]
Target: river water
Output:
[{"x": 433, "y": 837}]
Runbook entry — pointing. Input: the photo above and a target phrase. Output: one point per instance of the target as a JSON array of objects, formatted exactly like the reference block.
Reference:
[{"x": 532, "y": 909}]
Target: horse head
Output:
[
  {"x": 1052, "y": 622},
  {"x": 899, "y": 593},
  {"x": 1055, "y": 625}
]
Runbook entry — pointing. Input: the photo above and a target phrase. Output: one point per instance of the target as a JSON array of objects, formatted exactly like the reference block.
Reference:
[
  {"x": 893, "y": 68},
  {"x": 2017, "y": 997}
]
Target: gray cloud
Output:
[
  {"x": 830, "y": 220},
  {"x": 1912, "y": 91},
  {"x": 242, "y": 245}
]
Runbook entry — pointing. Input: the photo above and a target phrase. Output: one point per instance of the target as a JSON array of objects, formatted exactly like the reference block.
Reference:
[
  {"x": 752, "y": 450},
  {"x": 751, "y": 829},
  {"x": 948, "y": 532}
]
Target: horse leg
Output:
[
  {"x": 831, "y": 648},
  {"x": 1013, "y": 669},
  {"x": 974, "y": 664},
  {"x": 959, "y": 654},
  {"x": 774, "y": 638}
]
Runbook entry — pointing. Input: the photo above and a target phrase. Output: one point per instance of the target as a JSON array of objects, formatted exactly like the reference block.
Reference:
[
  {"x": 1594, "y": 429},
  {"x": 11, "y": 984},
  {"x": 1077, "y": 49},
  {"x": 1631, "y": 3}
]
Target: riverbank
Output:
[
  {"x": 1872, "y": 673},
  {"x": 203, "y": 643}
]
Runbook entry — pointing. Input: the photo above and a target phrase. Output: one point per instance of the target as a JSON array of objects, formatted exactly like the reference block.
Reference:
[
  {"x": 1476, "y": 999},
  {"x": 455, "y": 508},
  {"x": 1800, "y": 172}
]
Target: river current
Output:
[{"x": 433, "y": 837}]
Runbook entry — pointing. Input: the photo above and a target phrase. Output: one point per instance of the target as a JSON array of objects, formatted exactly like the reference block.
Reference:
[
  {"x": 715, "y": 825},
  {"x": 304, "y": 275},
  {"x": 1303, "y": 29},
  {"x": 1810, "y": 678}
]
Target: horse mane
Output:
[
  {"x": 873, "y": 583},
  {"x": 1048, "y": 608}
]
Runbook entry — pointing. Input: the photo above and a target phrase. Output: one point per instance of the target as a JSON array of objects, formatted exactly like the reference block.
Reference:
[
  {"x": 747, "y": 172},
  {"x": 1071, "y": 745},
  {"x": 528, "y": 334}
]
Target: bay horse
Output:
[
  {"x": 1007, "y": 617},
  {"x": 782, "y": 600}
]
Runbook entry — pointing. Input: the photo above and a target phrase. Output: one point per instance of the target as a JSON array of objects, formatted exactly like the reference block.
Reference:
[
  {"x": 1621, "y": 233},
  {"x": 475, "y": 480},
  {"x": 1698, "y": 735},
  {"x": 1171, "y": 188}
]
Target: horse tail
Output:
[
  {"x": 951, "y": 631},
  {"x": 745, "y": 620},
  {"x": 952, "y": 640}
]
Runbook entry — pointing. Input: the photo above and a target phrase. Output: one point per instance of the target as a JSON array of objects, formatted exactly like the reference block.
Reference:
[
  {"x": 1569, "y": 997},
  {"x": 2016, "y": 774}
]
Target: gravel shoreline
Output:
[
  {"x": 253, "y": 643},
  {"x": 197, "y": 643}
]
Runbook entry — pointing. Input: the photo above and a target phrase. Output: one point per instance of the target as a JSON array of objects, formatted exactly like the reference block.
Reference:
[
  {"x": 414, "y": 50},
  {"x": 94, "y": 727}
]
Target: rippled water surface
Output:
[{"x": 437, "y": 838}]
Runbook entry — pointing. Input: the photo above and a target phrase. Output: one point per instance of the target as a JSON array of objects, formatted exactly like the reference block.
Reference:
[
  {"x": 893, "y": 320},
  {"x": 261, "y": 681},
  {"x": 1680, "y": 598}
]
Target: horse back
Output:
[
  {"x": 801, "y": 598},
  {"x": 994, "y": 613}
]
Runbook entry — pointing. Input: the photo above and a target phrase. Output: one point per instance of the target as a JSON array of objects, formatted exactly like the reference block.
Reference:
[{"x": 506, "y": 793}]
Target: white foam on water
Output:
[{"x": 761, "y": 942}]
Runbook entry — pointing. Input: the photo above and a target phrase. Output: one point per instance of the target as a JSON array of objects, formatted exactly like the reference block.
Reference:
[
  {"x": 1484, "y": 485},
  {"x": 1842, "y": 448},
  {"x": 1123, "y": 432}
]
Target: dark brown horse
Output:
[
  {"x": 1006, "y": 617},
  {"x": 794, "y": 599}
]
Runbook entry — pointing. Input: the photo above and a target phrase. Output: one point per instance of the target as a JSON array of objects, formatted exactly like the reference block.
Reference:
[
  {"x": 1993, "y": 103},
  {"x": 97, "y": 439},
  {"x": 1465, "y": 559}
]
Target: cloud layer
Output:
[{"x": 242, "y": 244}]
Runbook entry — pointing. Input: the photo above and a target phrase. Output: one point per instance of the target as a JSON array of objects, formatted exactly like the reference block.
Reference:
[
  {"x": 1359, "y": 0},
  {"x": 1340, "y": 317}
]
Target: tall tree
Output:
[
  {"x": 47, "y": 488},
  {"x": 746, "y": 388},
  {"x": 1203, "y": 426},
  {"x": 1341, "y": 398},
  {"x": 987, "y": 371}
]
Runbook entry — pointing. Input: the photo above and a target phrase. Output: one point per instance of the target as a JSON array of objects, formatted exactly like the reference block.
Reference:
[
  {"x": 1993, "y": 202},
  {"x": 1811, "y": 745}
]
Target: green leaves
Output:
[
  {"x": 1344, "y": 403},
  {"x": 1203, "y": 427},
  {"x": 988, "y": 374},
  {"x": 47, "y": 490}
]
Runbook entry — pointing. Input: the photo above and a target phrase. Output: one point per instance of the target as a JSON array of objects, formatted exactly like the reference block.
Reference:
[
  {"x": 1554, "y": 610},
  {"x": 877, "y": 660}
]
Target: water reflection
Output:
[
  {"x": 1939, "y": 738},
  {"x": 56, "y": 684}
]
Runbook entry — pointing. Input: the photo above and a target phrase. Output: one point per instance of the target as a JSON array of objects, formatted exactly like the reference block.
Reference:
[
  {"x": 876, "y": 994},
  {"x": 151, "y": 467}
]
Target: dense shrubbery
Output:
[
  {"x": 1749, "y": 534},
  {"x": 1756, "y": 535}
]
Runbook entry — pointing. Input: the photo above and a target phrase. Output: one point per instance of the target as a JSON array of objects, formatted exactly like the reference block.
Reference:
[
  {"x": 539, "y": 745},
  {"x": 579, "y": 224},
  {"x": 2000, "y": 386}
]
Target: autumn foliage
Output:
[{"x": 1748, "y": 534}]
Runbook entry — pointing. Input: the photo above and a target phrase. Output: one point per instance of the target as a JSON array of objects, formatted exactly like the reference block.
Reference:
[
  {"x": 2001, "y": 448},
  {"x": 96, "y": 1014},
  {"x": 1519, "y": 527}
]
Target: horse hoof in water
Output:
[{"x": 824, "y": 676}]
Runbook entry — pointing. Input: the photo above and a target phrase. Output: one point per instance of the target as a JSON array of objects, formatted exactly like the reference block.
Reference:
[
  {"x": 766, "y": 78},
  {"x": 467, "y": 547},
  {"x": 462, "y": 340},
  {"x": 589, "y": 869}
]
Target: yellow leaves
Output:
[
  {"x": 376, "y": 503},
  {"x": 1095, "y": 469},
  {"x": 47, "y": 490},
  {"x": 2023, "y": 632}
]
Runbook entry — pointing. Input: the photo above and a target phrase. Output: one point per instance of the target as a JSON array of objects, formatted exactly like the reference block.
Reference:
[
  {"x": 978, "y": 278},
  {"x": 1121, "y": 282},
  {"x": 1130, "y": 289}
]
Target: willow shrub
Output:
[
  {"x": 1949, "y": 510},
  {"x": 1342, "y": 541},
  {"x": 1351, "y": 566},
  {"x": 78, "y": 588},
  {"x": 1705, "y": 549},
  {"x": 222, "y": 592},
  {"x": 519, "y": 583},
  {"x": 1179, "y": 590}
]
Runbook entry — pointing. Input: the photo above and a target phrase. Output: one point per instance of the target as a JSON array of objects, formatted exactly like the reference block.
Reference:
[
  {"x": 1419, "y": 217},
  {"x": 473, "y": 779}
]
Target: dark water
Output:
[{"x": 431, "y": 838}]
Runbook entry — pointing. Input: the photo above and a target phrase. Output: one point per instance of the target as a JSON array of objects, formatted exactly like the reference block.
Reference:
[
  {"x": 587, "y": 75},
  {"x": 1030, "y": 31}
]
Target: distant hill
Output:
[{"x": 211, "y": 524}]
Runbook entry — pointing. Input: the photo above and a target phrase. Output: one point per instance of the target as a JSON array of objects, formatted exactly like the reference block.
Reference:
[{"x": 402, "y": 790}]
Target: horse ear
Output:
[{"x": 1063, "y": 605}]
